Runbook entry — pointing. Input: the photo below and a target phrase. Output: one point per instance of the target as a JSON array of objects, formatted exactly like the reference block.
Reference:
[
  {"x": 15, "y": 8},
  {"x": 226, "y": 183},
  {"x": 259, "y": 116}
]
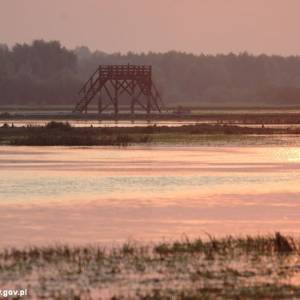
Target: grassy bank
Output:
[
  {"x": 62, "y": 134},
  {"x": 261, "y": 267}
]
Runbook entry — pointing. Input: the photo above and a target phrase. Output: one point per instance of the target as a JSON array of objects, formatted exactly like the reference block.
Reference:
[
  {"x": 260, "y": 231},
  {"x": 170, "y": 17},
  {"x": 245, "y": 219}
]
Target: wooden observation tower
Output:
[{"x": 110, "y": 82}]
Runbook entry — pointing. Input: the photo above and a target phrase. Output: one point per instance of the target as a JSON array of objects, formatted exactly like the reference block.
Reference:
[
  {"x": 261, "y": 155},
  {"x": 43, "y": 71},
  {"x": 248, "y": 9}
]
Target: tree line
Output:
[{"x": 47, "y": 73}]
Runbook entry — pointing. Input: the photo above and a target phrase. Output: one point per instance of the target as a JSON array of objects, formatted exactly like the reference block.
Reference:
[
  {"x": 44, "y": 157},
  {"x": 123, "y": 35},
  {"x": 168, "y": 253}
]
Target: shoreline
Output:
[{"x": 63, "y": 134}]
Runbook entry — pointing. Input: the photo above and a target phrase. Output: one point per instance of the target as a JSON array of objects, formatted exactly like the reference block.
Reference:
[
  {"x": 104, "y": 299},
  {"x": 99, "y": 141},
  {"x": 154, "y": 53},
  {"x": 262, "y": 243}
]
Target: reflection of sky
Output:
[
  {"x": 162, "y": 190},
  {"x": 46, "y": 187},
  {"x": 140, "y": 123},
  {"x": 68, "y": 173}
]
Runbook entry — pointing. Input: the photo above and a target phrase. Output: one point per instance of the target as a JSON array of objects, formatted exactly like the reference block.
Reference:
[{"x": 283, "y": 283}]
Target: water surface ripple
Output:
[{"x": 108, "y": 195}]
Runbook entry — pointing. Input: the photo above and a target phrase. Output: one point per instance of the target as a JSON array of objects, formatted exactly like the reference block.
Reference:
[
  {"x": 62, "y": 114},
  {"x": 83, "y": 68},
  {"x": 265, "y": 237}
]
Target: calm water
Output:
[
  {"x": 108, "y": 195},
  {"x": 95, "y": 123}
]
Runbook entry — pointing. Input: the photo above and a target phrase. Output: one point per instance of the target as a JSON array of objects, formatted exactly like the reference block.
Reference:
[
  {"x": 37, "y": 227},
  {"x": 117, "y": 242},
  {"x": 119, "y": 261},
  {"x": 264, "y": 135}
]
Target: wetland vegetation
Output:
[
  {"x": 250, "y": 267},
  {"x": 63, "y": 134}
]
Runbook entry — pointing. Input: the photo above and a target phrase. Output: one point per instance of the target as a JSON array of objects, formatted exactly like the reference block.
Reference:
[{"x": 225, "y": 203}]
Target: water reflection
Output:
[
  {"x": 99, "y": 194},
  {"x": 136, "y": 123}
]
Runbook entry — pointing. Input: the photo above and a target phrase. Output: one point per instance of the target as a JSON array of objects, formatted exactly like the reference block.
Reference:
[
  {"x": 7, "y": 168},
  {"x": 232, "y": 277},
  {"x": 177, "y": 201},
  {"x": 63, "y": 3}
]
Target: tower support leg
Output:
[
  {"x": 148, "y": 107},
  {"x": 133, "y": 100},
  {"x": 116, "y": 100},
  {"x": 116, "y": 108},
  {"x": 100, "y": 105}
]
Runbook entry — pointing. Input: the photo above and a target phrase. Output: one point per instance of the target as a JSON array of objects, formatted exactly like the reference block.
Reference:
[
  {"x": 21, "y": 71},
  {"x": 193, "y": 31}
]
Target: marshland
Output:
[
  {"x": 130, "y": 171},
  {"x": 63, "y": 134},
  {"x": 161, "y": 212},
  {"x": 249, "y": 267}
]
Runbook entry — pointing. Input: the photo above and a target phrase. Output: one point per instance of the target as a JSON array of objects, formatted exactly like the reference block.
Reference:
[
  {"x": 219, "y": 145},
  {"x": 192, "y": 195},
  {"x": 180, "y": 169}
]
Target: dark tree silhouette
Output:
[{"x": 47, "y": 73}]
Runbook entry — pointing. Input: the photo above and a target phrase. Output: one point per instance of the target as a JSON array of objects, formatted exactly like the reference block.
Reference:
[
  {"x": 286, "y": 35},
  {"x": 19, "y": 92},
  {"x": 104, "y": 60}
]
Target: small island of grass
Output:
[{"x": 63, "y": 134}]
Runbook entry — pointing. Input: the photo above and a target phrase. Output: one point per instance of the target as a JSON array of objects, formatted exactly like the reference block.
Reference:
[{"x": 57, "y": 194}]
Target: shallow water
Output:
[
  {"x": 96, "y": 123},
  {"x": 106, "y": 123},
  {"x": 108, "y": 195}
]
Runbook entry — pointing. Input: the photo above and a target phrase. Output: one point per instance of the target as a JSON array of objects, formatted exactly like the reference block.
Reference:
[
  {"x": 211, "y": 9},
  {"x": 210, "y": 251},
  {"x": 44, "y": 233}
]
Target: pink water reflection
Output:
[{"x": 107, "y": 195}]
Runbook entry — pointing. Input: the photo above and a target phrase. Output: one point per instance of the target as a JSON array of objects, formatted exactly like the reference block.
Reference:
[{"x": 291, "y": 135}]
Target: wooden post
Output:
[
  {"x": 148, "y": 107},
  {"x": 100, "y": 104},
  {"x": 132, "y": 104},
  {"x": 116, "y": 99}
]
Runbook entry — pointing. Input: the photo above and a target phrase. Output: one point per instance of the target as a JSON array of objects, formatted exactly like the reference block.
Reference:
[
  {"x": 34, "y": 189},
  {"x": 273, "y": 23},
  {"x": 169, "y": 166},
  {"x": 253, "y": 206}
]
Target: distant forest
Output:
[{"x": 46, "y": 73}]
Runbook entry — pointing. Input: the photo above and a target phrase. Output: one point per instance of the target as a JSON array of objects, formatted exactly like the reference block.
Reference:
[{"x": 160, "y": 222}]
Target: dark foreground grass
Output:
[{"x": 261, "y": 267}]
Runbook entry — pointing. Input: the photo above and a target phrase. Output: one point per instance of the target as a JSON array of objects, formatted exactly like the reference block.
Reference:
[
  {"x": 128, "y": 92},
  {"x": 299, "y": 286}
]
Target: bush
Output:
[{"x": 58, "y": 125}]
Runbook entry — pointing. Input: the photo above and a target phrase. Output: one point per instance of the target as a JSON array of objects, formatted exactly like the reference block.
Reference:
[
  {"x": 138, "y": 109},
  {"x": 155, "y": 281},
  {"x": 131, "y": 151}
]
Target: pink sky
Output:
[{"x": 198, "y": 26}]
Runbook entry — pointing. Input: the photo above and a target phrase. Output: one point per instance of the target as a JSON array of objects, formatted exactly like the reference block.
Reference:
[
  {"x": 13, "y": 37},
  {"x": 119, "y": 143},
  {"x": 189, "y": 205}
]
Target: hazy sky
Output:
[{"x": 208, "y": 26}]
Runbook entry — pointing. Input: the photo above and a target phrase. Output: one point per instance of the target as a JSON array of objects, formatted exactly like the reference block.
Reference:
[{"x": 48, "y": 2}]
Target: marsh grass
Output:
[
  {"x": 63, "y": 134},
  {"x": 72, "y": 140},
  {"x": 262, "y": 245},
  {"x": 260, "y": 267}
]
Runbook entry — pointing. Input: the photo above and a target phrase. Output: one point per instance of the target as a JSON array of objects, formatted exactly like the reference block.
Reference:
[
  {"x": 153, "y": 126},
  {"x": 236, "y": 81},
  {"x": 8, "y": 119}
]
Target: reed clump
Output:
[
  {"x": 262, "y": 245},
  {"x": 53, "y": 125}
]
